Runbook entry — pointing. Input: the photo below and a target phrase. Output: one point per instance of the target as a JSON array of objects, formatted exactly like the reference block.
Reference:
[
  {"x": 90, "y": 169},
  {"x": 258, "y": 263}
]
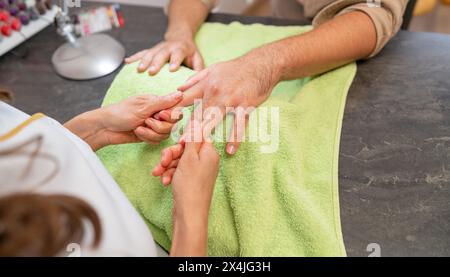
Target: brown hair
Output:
[
  {"x": 33, "y": 224},
  {"x": 43, "y": 225},
  {"x": 5, "y": 94}
]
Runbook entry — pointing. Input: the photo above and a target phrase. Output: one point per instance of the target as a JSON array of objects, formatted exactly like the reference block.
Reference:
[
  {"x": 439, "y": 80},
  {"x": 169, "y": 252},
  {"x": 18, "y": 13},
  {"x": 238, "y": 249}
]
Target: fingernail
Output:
[
  {"x": 152, "y": 68},
  {"x": 231, "y": 149},
  {"x": 177, "y": 95},
  {"x": 157, "y": 117},
  {"x": 140, "y": 130},
  {"x": 173, "y": 66},
  {"x": 166, "y": 180},
  {"x": 141, "y": 66},
  {"x": 154, "y": 171}
]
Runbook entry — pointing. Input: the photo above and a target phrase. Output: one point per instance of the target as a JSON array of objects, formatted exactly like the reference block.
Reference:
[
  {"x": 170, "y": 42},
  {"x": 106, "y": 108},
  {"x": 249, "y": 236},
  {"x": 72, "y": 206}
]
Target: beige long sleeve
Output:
[{"x": 387, "y": 16}]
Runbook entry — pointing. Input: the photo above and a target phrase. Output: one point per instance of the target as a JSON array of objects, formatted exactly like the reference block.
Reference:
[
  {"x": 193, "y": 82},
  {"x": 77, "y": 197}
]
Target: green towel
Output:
[{"x": 265, "y": 204}]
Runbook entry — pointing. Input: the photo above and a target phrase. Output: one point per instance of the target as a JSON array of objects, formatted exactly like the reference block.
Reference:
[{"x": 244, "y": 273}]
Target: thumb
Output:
[
  {"x": 158, "y": 103},
  {"x": 197, "y": 62}
]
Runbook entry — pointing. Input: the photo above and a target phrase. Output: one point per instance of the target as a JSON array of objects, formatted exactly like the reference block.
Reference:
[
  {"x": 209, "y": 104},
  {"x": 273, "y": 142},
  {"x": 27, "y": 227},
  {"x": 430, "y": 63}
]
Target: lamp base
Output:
[{"x": 89, "y": 57}]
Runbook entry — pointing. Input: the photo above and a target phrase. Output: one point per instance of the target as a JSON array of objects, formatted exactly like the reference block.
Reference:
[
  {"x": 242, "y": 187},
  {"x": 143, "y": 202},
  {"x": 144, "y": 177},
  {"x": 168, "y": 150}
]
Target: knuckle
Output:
[{"x": 213, "y": 87}]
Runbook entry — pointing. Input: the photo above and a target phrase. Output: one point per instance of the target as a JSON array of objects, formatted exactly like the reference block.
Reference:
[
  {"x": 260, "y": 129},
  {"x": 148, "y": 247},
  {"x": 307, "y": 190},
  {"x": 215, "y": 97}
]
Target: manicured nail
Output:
[
  {"x": 154, "y": 171},
  {"x": 182, "y": 140},
  {"x": 138, "y": 130},
  {"x": 177, "y": 95},
  {"x": 231, "y": 149}
]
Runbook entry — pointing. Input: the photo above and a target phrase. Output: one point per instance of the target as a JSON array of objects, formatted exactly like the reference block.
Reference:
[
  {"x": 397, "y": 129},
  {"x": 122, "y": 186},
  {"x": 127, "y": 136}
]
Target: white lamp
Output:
[{"x": 87, "y": 57}]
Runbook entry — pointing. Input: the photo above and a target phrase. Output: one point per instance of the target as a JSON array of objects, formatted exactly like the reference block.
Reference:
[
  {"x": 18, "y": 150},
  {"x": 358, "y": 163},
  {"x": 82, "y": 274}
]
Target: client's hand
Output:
[
  {"x": 193, "y": 186},
  {"x": 173, "y": 50},
  {"x": 128, "y": 121}
]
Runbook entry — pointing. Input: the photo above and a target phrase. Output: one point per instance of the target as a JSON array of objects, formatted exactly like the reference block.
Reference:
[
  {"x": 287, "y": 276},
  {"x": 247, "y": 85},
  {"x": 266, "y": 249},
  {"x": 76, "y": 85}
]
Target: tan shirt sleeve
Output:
[
  {"x": 211, "y": 4},
  {"x": 387, "y": 16}
]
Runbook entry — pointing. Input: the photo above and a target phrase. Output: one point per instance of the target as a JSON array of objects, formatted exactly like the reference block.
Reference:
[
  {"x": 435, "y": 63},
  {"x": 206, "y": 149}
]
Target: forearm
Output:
[
  {"x": 185, "y": 18},
  {"x": 190, "y": 237},
  {"x": 87, "y": 127},
  {"x": 344, "y": 39}
]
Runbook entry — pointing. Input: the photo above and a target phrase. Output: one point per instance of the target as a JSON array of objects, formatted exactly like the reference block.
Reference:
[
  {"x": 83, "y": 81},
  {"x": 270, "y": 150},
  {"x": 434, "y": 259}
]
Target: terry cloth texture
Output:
[{"x": 279, "y": 201}]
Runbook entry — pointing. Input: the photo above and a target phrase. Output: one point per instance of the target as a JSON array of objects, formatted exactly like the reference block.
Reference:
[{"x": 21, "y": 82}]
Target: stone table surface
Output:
[{"x": 394, "y": 165}]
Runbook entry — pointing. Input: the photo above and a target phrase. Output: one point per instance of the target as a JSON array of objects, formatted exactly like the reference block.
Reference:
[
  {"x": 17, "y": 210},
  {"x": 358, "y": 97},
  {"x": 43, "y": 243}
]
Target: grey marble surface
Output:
[{"x": 395, "y": 148}]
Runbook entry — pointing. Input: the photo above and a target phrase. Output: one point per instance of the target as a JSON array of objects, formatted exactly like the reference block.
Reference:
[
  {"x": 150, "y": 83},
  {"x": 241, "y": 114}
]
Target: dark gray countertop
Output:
[{"x": 395, "y": 146}]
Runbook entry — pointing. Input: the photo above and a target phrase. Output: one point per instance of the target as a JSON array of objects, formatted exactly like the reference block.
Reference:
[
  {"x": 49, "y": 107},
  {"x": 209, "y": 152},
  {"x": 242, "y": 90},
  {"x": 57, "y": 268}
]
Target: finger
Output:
[
  {"x": 193, "y": 80},
  {"x": 158, "y": 103},
  {"x": 176, "y": 59},
  {"x": 144, "y": 139},
  {"x": 170, "y": 115},
  {"x": 166, "y": 178},
  {"x": 161, "y": 127},
  {"x": 174, "y": 164},
  {"x": 190, "y": 95},
  {"x": 135, "y": 57},
  {"x": 158, "y": 61},
  {"x": 146, "y": 60},
  {"x": 237, "y": 135},
  {"x": 170, "y": 154},
  {"x": 158, "y": 170},
  {"x": 148, "y": 135},
  {"x": 197, "y": 62},
  {"x": 122, "y": 137}
]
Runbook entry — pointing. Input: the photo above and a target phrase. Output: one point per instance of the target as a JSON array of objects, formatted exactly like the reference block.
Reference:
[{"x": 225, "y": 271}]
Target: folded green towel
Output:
[{"x": 283, "y": 203}]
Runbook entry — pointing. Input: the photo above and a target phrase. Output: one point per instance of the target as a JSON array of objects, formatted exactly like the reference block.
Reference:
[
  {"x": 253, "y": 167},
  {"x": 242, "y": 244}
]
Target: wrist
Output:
[
  {"x": 87, "y": 126},
  {"x": 179, "y": 33},
  {"x": 267, "y": 68},
  {"x": 190, "y": 237}
]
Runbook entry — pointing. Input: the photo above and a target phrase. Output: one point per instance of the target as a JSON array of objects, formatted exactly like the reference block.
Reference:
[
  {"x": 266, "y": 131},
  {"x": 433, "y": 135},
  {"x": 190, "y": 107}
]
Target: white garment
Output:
[{"x": 79, "y": 173}]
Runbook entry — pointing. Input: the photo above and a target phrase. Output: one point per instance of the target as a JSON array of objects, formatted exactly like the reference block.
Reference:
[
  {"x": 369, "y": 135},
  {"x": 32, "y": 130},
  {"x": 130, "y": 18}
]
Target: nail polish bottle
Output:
[
  {"x": 33, "y": 14},
  {"x": 5, "y": 29},
  {"x": 13, "y": 10},
  {"x": 3, "y": 4},
  {"x": 24, "y": 18},
  {"x": 15, "y": 24},
  {"x": 4, "y": 15},
  {"x": 40, "y": 6}
]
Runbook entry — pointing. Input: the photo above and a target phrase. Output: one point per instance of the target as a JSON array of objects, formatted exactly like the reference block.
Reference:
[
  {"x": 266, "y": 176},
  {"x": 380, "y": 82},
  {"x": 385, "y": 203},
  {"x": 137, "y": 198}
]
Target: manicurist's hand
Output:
[
  {"x": 193, "y": 186},
  {"x": 128, "y": 121}
]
